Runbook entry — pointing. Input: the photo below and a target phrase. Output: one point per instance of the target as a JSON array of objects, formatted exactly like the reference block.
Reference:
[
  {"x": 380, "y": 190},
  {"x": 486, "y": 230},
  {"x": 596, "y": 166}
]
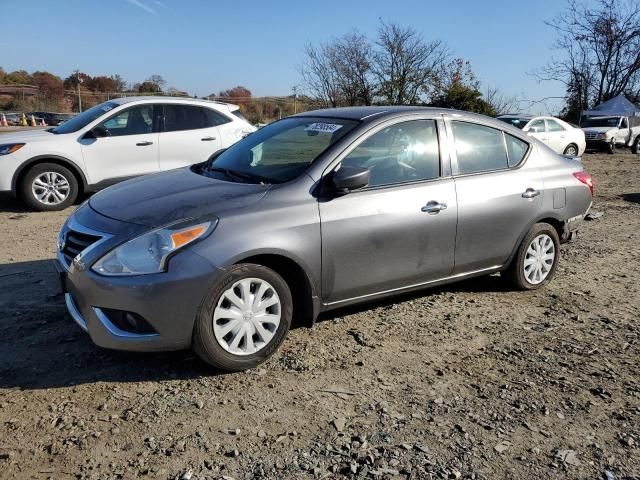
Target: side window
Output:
[
  {"x": 136, "y": 120},
  {"x": 624, "y": 124},
  {"x": 516, "y": 149},
  {"x": 478, "y": 148},
  {"x": 554, "y": 126},
  {"x": 215, "y": 118},
  {"x": 183, "y": 117},
  {"x": 400, "y": 153},
  {"x": 537, "y": 126}
]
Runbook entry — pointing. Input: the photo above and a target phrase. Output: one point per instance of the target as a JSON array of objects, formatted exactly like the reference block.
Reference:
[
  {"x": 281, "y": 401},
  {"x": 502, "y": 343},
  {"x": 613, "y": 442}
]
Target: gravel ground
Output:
[{"x": 466, "y": 381}]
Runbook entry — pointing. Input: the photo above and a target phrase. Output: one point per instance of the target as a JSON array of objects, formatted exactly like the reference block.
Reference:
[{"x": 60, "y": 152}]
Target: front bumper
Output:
[
  {"x": 597, "y": 144},
  {"x": 168, "y": 301}
]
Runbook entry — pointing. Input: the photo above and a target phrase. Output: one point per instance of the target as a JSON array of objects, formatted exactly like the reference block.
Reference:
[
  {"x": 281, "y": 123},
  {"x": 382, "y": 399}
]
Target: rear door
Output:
[
  {"x": 499, "y": 194},
  {"x": 398, "y": 231},
  {"x": 558, "y": 136},
  {"x": 131, "y": 148},
  {"x": 188, "y": 136}
]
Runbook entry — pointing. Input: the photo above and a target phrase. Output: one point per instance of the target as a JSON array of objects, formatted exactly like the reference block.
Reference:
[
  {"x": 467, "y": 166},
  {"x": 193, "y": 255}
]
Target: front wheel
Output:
[
  {"x": 48, "y": 187},
  {"x": 244, "y": 319},
  {"x": 635, "y": 148},
  {"x": 611, "y": 147},
  {"x": 537, "y": 258}
]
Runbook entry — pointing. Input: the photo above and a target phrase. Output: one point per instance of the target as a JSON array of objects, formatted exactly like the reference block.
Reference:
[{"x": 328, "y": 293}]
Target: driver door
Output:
[
  {"x": 391, "y": 234},
  {"x": 130, "y": 149}
]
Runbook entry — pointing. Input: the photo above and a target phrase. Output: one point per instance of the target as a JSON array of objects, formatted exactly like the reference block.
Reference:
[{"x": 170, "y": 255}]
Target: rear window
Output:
[
  {"x": 184, "y": 117},
  {"x": 239, "y": 114},
  {"x": 515, "y": 121},
  {"x": 478, "y": 148}
]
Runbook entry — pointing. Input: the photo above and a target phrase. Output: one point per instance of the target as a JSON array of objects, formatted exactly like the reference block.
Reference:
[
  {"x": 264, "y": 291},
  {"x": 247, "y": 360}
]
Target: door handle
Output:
[
  {"x": 433, "y": 207},
  {"x": 208, "y": 139},
  {"x": 530, "y": 193},
  {"x": 144, "y": 144}
]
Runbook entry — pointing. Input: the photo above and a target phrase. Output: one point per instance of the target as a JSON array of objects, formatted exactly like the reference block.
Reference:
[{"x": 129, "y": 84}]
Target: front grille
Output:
[
  {"x": 591, "y": 135},
  {"x": 76, "y": 242}
]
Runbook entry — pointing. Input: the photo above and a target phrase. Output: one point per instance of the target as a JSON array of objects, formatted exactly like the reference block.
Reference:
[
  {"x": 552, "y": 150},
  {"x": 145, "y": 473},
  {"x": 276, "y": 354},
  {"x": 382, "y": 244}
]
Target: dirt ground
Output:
[{"x": 467, "y": 381}]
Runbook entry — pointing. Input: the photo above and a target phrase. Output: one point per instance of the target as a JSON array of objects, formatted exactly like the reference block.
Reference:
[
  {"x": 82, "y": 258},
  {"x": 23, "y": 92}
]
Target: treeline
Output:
[
  {"x": 396, "y": 67},
  {"x": 40, "y": 90}
]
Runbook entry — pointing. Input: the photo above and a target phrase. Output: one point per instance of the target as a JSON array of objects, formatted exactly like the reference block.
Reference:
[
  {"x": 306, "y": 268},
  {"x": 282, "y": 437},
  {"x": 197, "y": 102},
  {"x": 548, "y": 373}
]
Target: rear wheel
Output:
[
  {"x": 244, "y": 319},
  {"x": 536, "y": 260},
  {"x": 572, "y": 150},
  {"x": 48, "y": 187},
  {"x": 635, "y": 148}
]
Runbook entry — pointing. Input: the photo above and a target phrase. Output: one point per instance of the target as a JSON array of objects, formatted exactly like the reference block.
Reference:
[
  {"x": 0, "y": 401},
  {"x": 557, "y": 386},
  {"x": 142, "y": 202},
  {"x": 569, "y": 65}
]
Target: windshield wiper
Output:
[{"x": 248, "y": 177}]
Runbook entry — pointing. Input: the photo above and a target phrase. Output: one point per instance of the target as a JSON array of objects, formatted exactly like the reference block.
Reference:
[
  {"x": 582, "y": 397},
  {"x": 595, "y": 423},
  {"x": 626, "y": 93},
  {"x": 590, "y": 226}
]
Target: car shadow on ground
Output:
[
  {"x": 10, "y": 204},
  {"x": 631, "y": 197},
  {"x": 41, "y": 347}
]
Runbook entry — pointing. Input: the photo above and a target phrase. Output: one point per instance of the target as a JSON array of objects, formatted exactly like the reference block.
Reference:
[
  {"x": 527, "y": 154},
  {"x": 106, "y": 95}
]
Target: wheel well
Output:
[
  {"x": 298, "y": 282},
  {"x": 557, "y": 224},
  {"x": 58, "y": 161}
]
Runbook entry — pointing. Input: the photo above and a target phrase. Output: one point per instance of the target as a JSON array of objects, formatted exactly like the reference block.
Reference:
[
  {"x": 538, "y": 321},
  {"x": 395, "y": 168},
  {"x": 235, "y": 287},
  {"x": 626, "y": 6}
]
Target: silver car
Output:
[{"x": 313, "y": 212}]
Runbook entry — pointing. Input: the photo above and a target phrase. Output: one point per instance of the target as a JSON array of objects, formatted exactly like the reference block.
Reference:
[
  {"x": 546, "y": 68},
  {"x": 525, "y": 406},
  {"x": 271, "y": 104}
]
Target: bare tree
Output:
[
  {"x": 319, "y": 74},
  {"x": 339, "y": 72},
  {"x": 405, "y": 64},
  {"x": 601, "y": 51},
  {"x": 499, "y": 102},
  {"x": 351, "y": 56}
]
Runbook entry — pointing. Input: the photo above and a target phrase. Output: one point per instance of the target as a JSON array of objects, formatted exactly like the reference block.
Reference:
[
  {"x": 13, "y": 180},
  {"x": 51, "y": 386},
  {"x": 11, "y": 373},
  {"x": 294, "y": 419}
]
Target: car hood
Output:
[
  {"x": 26, "y": 136},
  {"x": 168, "y": 197}
]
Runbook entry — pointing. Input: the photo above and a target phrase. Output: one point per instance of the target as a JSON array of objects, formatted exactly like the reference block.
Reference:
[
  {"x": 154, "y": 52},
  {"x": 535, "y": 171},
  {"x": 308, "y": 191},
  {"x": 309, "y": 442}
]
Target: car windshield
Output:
[
  {"x": 515, "y": 121},
  {"x": 280, "y": 151},
  {"x": 601, "y": 122},
  {"x": 85, "y": 118}
]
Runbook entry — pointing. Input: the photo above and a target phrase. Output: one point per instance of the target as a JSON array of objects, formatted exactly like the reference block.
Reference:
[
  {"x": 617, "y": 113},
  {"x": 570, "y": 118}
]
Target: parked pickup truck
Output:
[{"x": 610, "y": 132}]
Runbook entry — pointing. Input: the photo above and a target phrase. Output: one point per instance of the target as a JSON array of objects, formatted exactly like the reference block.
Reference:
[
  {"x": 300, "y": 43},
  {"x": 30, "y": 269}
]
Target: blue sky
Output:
[{"x": 206, "y": 46}]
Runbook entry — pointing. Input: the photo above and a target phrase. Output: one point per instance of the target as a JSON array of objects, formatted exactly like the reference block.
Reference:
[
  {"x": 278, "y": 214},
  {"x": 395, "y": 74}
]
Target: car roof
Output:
[
  {"x": 380, "y": 112},
  {"x": 169, "y": 99},
  {"x": 519, "y": 115}
]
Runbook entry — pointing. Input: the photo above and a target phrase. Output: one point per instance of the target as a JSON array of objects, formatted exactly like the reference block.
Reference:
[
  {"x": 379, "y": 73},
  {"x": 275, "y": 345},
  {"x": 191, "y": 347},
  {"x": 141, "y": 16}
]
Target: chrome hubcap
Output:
[
  {"x": 50, "y": 188},
  {"x": 247, "y": 316},
  {"x": 572, "y": 150},
  {"x": 539, "y": 259}
]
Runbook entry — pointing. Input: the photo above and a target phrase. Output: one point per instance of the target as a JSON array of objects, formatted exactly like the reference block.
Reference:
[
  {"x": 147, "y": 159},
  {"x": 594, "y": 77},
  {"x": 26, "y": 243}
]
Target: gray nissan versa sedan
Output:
[{"x": 313, "y": 212}]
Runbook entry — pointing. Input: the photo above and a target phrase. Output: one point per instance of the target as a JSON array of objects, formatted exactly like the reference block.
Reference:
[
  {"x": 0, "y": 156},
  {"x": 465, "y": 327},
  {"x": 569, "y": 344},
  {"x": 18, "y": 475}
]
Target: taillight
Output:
[{"x": 585, "y": 178}]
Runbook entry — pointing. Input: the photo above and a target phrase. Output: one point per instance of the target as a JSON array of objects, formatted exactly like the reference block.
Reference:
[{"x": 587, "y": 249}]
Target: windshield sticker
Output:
[
  {"x": 323, "y": 127},
  {"x": 106, "y": 108}
]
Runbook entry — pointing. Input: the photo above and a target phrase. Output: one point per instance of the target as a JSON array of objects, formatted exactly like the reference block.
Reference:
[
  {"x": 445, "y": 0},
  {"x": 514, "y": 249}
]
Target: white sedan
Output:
[{"x": 559, "y": 135}]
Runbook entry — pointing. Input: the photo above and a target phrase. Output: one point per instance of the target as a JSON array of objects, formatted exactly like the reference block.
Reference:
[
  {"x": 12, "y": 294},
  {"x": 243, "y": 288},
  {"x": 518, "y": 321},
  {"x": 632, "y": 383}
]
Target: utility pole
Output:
[
  {"x": 295, "y": 99},
  {"x": 79, "y": 96}
]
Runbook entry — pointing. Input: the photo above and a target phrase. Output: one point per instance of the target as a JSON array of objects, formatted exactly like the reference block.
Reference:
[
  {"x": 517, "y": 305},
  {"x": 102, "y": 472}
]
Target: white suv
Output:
[
  {"x": 111, "y": 142},
  {"x": 560, "y": 136}
]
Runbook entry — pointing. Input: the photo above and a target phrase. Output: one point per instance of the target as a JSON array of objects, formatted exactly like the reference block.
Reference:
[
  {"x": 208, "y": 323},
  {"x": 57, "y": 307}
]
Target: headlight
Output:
[
  {"x": 7, "y": 148},
  {"x": 149, "y": 252},
  {"x": 602, "y": 136}
]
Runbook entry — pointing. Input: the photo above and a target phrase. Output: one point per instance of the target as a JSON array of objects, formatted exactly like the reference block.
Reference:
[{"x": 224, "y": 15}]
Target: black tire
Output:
[
  {"x": 635, "y": 148},
  {"x": 570, "y": 147},
  {"x": 611, "y": 147},
  {"x": 515, "y": 274},
  {"x": 205, "y": 344},
  {"x": 32, "y": 201}
]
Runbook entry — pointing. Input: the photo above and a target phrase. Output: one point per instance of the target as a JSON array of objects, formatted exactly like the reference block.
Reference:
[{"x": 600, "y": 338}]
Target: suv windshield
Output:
[
  {"x": 85, "y": 118},
  {"x": 280, "y": 151},
  {"x": 515, "y": 121},
  {"x": 601, "y": 122}
]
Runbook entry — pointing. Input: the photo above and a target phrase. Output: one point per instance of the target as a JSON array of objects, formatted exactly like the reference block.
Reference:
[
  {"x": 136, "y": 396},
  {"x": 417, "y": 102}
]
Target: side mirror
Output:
[
  {"x": 348, "y": 178},
  {"x": 532, "y": 130},
  {"x": 99, "y": 132}
]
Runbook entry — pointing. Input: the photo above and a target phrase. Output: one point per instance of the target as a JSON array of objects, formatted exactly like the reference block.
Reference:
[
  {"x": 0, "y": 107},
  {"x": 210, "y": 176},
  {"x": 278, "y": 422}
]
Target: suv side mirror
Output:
[
  {"x": 348, "y": 178},
  {"x": 99, "y": 132}
]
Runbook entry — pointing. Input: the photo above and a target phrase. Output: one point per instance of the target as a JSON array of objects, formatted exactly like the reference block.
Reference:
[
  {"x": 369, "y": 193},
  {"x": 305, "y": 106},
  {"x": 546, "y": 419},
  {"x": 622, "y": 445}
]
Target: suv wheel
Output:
[
  {"x": 611, "y": 147},
  {"x": 244, "y": 318},
  {"x": 48, "y": 186},
  {"x": 537, "y": 258},
  {"x": 635, "y": 148}
]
